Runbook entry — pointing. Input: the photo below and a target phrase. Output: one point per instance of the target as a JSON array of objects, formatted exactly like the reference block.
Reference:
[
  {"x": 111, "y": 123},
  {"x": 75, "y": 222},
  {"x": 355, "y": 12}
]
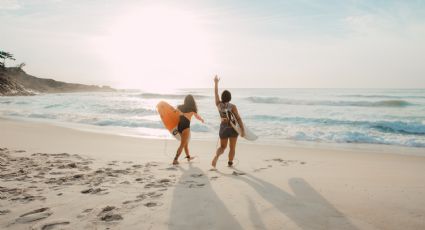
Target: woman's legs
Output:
[
  {"x": 220, "y": 150},
  {"x": 183, "y": 143},
  {"x": 186, "y": 150},
  {"x": 232, "y": 151}
]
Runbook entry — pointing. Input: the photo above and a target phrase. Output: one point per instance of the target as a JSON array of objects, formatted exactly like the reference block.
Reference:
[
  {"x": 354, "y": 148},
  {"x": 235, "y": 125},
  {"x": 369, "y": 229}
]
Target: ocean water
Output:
[{"x": 373, "y": 116}]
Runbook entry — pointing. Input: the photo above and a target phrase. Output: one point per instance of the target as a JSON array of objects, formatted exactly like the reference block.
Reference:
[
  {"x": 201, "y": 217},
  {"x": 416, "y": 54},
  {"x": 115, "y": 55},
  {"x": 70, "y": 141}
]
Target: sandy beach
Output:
[
  {"x": 97, "y": 98},
  {"x": 60, "y": 178}
]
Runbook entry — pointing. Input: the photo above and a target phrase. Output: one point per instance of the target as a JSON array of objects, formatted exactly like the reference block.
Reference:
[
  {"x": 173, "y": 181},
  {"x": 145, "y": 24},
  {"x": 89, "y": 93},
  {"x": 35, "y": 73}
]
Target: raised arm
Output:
[
  {"x": 217, "y": 99},
  {"x": 238, "y": 118}
]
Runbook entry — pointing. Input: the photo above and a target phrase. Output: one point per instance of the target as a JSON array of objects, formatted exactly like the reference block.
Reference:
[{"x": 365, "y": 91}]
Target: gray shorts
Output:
[{"x": 227, "y": 131}]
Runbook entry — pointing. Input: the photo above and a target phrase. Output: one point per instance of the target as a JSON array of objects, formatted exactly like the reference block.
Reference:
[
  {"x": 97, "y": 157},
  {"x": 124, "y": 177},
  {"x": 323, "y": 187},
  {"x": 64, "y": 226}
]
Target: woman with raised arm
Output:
[
  {"x": 227, "y": 133},
  {"x": 187, "y": 110}
]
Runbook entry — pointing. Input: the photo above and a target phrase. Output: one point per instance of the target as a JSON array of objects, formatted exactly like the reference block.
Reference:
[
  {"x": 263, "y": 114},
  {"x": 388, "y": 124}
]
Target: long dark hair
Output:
[{"x": 189, "y": 105}]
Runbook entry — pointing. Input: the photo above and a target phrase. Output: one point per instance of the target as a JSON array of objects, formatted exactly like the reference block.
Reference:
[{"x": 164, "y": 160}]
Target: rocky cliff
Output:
[{"x": 14, "y": 81}]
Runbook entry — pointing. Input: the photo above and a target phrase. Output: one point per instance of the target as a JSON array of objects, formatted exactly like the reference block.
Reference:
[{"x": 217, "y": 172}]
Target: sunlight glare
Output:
[{"x": 157, "y": 47}]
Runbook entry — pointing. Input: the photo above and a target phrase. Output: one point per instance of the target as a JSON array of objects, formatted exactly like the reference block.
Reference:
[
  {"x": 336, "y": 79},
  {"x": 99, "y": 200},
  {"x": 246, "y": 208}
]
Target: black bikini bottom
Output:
[{"x": 184, "y": 123}]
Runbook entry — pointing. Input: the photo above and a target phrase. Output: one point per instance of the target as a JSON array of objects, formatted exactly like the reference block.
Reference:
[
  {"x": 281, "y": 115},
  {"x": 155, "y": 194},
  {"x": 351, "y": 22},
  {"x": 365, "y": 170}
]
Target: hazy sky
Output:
[{"x": 175, "y": 44}]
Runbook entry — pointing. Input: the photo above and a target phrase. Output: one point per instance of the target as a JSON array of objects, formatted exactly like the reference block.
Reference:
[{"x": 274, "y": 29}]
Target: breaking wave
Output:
[
  {"x": 381, "y": 96},
  {"x": 277, "y": 100},
  {"x": 400, "y": 127},
  {"x": 167, "y": 96},
  {"x": 132, "y": 111}
]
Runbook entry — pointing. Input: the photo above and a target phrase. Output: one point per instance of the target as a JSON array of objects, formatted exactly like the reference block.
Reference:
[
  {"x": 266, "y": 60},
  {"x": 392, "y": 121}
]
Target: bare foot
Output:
[
  {"x": 175, "y": 162},
  {"x": 189, "y": 158},
  {"x": 214, "y": 161}
]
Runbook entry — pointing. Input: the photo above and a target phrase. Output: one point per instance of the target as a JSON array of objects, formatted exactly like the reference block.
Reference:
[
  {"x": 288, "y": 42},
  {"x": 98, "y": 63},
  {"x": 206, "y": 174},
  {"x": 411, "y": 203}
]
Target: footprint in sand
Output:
[
  {"x": 62, "y": 155},
  {"x": 152, "y": 204},
  {"x": 151, "y": 164},
  {"x": 107, "y": 214},
  {"x": 285, "y": 162},
  {"x": 141, "y": 179},
  {"x": 26, "y": 198},
  {"x": 86, "y": 162},
  {"x": 87, "y": 210},
  {"x": 85, "y": 213},
  {"x": 161, "y": 183},
  {"x": 192, "y": 184},
  {"x": 4, "y": 212},
  {"x": 128, "y": 201},
  {"x": 277, "y": 160},
  {"x": 238, "y": 173},
  {"x": 165, "y": 180},
  {"x": 171, "y": 169},
  {"x": 53, "y": 224},
  {"x": 94, "y": 191},
  {"x": 259, "y": 169},
  {"x": 34, "y": 215},
  {"x": 149, "y": 195},
  {"x": 200, "y": 185},
  {"x": 111, "y": 217},
  {"x": 78, "y": 176},
  {"x": 197, "y": 175},
  {"x": 72, "y": 165},
  {"x": 112, "y": 163},
  {"x": 108, "y": 208},
  {"x": 137, "y": 166}
]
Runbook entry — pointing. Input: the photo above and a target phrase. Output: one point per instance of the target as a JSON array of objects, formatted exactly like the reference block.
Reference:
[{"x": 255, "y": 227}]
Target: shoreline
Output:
[
  {"x": 365, "y": 147},
  {"x": 57, "y": 176}
]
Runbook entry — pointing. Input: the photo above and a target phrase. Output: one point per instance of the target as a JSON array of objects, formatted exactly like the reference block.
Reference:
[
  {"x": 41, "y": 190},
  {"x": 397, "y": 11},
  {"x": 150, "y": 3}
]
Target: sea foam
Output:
[
  {"x": 277, "y": 100},
  {"x": 390, "y": 117}
]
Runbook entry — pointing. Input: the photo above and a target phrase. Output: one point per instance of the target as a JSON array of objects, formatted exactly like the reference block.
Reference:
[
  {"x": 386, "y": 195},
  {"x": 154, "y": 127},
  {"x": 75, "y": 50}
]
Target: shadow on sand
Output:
[
  {"x": 306, "y": 208},
  {"x": 195, "y": 205}
]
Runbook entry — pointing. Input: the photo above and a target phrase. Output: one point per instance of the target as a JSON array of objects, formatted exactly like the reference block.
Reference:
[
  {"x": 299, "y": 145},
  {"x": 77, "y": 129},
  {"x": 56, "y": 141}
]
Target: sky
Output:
[{"x": 249, "y": 44}]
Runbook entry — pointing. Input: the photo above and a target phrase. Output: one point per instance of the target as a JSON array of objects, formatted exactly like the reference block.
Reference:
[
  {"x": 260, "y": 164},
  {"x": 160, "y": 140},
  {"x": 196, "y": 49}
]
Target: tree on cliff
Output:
[
  {"x": 5, "y": 55},
  {"x": 20, "y": 66}
]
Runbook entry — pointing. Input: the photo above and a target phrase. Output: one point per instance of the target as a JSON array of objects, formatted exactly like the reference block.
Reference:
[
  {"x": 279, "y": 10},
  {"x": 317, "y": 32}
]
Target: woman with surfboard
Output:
[
  {"x": 186, "y": 111},
  {"x": 229, "y": 119}
]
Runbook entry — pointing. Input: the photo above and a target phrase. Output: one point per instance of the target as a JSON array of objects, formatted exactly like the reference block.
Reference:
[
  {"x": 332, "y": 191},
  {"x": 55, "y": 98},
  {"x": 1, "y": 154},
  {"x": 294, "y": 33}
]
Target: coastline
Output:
[
  {"x": 271, "y": 186},
  {"x": 298, "y": 144}
]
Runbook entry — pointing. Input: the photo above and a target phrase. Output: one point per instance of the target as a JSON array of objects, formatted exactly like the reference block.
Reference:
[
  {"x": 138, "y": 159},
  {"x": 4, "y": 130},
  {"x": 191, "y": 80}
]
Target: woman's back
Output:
[{"x": 224, "y": 109}]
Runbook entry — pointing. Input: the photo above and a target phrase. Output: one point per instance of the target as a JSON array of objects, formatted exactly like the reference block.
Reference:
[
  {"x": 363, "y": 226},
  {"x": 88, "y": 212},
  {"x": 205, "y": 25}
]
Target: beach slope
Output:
[{"x": 56, "y": 177}]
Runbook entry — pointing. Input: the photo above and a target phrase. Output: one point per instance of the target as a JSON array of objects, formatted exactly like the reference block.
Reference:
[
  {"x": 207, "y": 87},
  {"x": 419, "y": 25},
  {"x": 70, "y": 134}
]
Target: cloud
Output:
[{"x": 9, "y": 5}]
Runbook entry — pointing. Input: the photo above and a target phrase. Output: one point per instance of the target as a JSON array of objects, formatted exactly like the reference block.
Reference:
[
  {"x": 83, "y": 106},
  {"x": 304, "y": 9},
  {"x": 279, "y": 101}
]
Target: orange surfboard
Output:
[{"x": 170, "y": 117}]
